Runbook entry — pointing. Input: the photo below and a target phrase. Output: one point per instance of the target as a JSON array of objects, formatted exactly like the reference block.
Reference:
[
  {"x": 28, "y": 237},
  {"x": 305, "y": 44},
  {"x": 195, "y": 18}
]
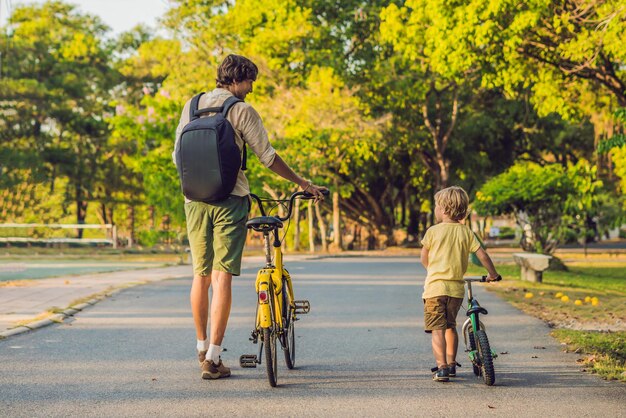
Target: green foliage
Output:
[
  {"x": 383, "y": 101},
  {"x": 552, "y": 200},
  {"x": 535, "y": 195},
  {"x": 56, "y": 77}
]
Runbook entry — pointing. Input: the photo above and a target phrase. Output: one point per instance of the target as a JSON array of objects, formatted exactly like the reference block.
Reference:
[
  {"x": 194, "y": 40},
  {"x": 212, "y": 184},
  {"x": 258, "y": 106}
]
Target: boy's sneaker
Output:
[
  {"x": 452, "y": 369},
  {"x": 441, "y": 375},
  {"x": 211, "y": 370},
  {"x": 202, "y": 356}
]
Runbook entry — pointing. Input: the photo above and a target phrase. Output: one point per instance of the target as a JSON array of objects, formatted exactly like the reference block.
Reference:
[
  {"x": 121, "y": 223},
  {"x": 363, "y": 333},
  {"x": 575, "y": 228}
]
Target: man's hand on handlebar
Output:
[{"x": 318, "y": 192}]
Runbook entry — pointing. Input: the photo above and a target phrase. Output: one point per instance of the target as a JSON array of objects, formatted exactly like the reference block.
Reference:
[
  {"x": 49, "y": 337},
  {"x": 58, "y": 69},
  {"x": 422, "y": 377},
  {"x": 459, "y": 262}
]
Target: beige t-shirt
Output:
[
  {"x": 449, "y": 246},
  {"x": 248, "y": 127}
]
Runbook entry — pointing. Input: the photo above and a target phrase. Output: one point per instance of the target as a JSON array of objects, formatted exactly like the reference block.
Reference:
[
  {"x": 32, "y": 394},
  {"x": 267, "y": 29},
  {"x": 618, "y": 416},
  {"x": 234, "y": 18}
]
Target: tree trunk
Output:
[
  {"x": 151, "y": 214},
  {"x": 131, "y": 226},
  {"x": 337, "y": 245},
  {"x": 322, "y": 226},
  {"x": 438, "y": 164},
  {"x": 296, "y": 218},
  {"x": 81, "y": 214},
  {"x": 311, "y": 231}
]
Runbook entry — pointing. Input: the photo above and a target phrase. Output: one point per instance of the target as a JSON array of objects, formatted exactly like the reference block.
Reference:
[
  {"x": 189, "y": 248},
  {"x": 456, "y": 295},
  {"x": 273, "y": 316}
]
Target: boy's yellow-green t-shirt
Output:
[{"x": 449, "y": 246}]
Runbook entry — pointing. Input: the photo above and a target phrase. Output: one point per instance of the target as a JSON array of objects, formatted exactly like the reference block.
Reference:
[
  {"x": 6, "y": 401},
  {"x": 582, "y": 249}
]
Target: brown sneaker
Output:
[
  {"x": 202, "y": 356},
  {"x": 211, "y": 370}
]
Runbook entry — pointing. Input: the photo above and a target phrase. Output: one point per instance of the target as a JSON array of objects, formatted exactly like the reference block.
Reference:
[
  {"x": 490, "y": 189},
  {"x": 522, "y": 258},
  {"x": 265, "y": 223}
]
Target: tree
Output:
[
  {"x": 56, "y": 77},
  {"x": 535, "y": 195},
  {"x": 546, "y": 200}
]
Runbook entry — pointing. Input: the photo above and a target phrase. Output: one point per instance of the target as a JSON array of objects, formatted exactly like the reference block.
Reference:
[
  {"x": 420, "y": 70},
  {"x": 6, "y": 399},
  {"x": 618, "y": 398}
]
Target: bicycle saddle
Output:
[{"x": 264, "y": 223}]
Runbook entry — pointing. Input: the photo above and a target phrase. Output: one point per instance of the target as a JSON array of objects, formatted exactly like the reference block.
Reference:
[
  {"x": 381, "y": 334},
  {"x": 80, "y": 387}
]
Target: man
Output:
[{"x": 217, "y": 231}]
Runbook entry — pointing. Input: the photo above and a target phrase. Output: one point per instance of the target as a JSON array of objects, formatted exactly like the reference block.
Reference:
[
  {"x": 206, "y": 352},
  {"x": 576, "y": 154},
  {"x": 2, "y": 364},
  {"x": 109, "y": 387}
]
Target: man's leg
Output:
[
  {"x": 199, "y": 297},
  {"x": 220, "y": 304}
]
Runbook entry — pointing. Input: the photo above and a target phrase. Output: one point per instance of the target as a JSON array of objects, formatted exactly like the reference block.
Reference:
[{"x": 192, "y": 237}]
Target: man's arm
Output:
[
  {"x": 280, "y": 167},
  {"x": 424, "y": 257},
  {"x": 485, "y": 260}
]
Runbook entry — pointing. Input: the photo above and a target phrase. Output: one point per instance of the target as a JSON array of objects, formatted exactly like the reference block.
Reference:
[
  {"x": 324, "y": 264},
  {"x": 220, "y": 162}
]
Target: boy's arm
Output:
[
  {"x": 424, "y": 257},
  {"x": 485, "y": 260}
]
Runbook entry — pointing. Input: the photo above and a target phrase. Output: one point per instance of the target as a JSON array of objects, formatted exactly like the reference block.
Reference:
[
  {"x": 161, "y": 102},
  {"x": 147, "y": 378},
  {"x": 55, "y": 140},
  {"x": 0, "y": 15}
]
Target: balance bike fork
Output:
[{"x": 471, "y": 324}]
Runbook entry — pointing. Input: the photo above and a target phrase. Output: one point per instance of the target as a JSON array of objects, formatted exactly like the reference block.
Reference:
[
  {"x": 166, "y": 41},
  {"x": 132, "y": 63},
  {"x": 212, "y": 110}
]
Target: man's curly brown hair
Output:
[{"x": 235, "y": 69}]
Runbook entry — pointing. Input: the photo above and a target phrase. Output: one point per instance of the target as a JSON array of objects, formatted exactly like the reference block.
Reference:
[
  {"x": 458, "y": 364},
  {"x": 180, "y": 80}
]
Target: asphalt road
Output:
[{"x": 360, "y": 352}]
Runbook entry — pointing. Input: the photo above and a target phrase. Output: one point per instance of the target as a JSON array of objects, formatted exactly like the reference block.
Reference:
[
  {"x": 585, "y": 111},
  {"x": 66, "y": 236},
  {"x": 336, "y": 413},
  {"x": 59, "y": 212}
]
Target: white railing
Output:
[{"x": 112, "y": 241}]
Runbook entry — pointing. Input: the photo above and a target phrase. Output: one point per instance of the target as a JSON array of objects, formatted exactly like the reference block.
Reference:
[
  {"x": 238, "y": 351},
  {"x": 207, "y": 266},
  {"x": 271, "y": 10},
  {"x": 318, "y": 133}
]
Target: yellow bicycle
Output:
[{"x": 277, "y": 310}]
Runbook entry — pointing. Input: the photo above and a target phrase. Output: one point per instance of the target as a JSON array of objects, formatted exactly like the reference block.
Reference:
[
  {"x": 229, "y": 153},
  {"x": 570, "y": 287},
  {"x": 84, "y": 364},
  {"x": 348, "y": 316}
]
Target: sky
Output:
[{"x": 119, "y": 15}]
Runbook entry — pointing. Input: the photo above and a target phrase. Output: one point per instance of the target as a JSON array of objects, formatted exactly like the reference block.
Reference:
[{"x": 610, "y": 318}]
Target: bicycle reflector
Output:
[{"x": 263, "y": 297}]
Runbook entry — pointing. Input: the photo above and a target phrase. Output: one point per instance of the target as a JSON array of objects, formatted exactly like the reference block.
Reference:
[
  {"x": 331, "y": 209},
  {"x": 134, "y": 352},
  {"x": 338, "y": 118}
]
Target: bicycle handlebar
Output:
[
  {"x": 481, "y": 279},
  {"x": 302, "y": 195}
]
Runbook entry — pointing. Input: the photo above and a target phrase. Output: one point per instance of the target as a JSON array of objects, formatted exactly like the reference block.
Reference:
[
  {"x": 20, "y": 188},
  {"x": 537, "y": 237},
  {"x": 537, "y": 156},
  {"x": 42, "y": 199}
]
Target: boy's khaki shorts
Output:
[
  {"x": 440, "y": 312},
  {"x": 217, "y": 234}
]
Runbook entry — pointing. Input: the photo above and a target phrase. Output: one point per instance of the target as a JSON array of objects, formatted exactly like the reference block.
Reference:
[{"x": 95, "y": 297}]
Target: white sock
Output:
[
  {"x": 214, "y": 353},
  {"x": 202, "y": 345}
]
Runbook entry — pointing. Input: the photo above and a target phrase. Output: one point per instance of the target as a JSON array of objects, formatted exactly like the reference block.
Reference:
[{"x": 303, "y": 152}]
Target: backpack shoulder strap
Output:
[
  {"x": 228, "y": 103},
  {"x": 193, "y": 107}
]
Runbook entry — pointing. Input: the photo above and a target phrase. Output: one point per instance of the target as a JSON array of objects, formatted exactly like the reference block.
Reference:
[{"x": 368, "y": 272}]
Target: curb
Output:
[{"x": 72, "y": 310}]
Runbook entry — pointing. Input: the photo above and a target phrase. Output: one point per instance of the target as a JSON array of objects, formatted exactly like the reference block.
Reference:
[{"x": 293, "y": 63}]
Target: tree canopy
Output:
[{"x": 385, "y": 102}]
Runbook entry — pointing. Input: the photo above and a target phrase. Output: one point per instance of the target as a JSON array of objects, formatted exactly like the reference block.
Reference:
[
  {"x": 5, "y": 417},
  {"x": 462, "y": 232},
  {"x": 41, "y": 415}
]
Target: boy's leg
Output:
[
  {"x": 452, "y": 345},
  {"x": 452, "y": 337},
  {"x": 439, "y": 347},
  {"x": 435, "y": 322}
]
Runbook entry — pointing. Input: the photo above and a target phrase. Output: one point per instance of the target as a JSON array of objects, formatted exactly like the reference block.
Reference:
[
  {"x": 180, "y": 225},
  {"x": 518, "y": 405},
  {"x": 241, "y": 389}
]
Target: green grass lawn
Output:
[{"x": 582, "y": 325}]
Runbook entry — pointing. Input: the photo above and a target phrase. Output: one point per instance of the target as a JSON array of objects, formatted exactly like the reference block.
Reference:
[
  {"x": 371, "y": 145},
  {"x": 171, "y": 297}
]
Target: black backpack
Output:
[{"x": 207, "y": 157}]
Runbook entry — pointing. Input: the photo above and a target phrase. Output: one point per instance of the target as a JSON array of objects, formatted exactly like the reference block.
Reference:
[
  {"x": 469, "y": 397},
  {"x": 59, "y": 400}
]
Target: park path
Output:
[{"x": 360, "y": 352}]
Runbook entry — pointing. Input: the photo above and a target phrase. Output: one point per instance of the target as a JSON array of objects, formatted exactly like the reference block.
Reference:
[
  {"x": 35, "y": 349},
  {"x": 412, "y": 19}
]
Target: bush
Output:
[{"x": 507, "y": 232}]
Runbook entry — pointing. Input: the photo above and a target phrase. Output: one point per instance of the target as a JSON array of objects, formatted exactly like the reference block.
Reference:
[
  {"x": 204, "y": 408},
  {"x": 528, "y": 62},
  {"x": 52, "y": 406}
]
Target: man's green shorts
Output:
[{"x": 217, "y": 234}]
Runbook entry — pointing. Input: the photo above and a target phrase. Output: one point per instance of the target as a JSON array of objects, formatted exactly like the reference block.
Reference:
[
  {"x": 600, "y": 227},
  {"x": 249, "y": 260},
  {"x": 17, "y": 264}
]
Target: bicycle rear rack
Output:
[{"x": 302, "y": 306}]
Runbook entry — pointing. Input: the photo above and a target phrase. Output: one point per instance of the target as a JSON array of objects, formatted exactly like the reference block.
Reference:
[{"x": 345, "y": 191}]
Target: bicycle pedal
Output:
[
  {"x": 254, "y": 337},
  {"x": 302, "y": 306},
  {"x": 248, "y": 360}
]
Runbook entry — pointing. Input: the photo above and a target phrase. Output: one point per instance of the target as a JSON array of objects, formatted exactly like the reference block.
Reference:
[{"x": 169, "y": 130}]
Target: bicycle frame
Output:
[
  {"x": 473, "y": 319},
  {"x": 276, "y": 308},
  {"x": 478, "y": 349},
  {"x": 269, "y": 285}
]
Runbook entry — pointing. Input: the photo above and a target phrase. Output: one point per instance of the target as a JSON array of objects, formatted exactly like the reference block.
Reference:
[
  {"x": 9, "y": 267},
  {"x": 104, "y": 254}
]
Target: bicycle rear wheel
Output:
[
  {"x": 289, "y": 337},
  {"x": 486, "y": 360},
  {"x": 269, "y": 342}
]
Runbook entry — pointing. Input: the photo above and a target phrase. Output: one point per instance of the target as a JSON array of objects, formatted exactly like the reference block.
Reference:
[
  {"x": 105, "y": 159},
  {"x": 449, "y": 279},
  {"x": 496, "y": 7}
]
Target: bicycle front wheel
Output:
[
  {"x": 472, "y": 343},
  {"x": 269, "y": 343},
  {"x": 289, "y": 337},
  {"x": 486, "y": 360}
]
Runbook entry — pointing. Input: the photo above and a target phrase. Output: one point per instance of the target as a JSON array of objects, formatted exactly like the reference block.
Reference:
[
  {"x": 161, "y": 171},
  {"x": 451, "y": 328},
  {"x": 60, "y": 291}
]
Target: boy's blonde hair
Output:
[{"x": 453, "y": 201}]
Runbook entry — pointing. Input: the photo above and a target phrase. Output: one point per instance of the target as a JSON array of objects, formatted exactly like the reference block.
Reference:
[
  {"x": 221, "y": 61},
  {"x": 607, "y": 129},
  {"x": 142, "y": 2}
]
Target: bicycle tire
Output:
[
  {"x": 486, "y": 360},
  {"x": 289, "y": 338},
  {"x": 472, "y": 343},
  {"x": 269, "y": 342}
]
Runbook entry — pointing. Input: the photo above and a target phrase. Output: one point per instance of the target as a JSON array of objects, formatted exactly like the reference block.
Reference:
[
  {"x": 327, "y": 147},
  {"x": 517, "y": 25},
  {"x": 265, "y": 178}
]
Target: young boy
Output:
[{"x": 445, "y": 253}]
